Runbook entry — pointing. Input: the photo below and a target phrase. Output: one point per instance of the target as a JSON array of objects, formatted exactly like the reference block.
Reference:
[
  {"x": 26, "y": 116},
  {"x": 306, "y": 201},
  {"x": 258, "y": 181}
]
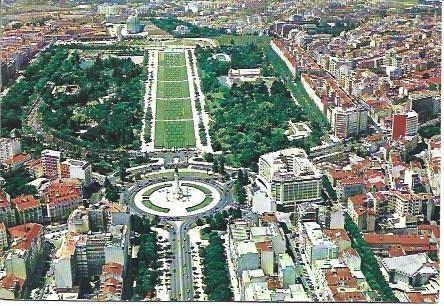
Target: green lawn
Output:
[
  {"x": 166, "y": 90},
  {"x": 173, "y": 109},
  {"x": 201, "y": 205},
  {"x": 154, "y": 189},
  {"x": 173, "y": 74},
  {"x": 260, "y": 41},
  {"x": 173, "y": 104},
  {"x": 171, "y": 59},
  {"x": 174, "y": 134},
  {"x": 150, "y": 205}
]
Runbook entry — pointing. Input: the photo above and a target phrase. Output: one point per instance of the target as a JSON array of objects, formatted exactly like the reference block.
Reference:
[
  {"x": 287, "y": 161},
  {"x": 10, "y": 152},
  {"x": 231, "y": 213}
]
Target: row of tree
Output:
[
  {"x": 239, "y": 186},
  {"x": 215, "y": 270},
  {"x": 147, "y": 270},
  {"x": 370, "y": 266}
]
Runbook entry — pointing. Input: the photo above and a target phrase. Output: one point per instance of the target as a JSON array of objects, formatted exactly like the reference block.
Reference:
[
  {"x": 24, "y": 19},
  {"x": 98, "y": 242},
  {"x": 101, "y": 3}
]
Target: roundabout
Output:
[{"x": 177, "y": 198}]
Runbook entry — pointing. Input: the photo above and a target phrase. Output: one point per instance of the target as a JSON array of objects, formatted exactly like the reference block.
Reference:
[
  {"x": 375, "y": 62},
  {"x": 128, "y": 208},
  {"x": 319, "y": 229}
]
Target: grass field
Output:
[
  {"x": 260, "y": 41},
  {"x": 174, "y": 119},
  {"x": 173, "y": 74},
  {"x": 173, "y": 109},
  {"x": 201, "y": 205},
  {"x": 174, "y": 134},
  {"x": 166, "y": 90},
  {"x": 150, "y": 205}
]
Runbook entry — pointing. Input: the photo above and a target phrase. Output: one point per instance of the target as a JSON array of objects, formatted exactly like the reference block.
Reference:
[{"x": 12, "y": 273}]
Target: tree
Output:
[
  {"x": 215, "y": 166},
  {"x": 222, "y": 165}
]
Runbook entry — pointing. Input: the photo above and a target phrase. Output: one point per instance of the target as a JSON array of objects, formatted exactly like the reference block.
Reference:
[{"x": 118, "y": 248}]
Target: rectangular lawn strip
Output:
[
  {"x": 177, "y": 134},
  {"x": 200, "y": 205},
  {"x": 173, "y": 103},
  {"x": 167, "y": 90},
  {"x": 150, "y": 205},
  {"x": 173, "y": 109},
  {"x": 172, "y": 74}
]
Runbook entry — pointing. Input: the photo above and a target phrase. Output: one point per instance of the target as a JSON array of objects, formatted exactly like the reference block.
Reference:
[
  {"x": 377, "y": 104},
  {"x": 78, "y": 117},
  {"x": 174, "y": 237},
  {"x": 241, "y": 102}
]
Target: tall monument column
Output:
[{"x": 176, "y": 190}]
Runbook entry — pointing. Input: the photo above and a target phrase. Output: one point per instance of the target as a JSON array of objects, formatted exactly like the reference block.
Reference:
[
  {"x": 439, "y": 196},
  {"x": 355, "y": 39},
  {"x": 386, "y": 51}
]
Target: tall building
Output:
[
  {"x": 3, "y": 236},
  {"x": 51, "y": 163},
  {"x": 9, "y": 147},
  {"x": 404, "y": 125},
  {"x": 290, "y": 177},
  {"x": 133, "y": 25},
  {"x": 7, "y": 212},
  {"x": 348, "y": 121},
  {"x": 76, "y": 169}
]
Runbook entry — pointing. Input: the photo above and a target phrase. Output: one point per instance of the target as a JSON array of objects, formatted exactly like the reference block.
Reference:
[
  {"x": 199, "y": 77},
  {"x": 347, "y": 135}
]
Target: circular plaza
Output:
[{"x": 177, "y": 198}]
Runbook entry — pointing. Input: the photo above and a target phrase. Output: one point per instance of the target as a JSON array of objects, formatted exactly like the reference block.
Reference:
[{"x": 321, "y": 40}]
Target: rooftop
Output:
[{"x": 22, "y": 236}]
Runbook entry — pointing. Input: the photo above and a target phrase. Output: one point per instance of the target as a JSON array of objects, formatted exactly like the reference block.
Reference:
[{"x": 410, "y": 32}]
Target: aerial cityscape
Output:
[{"x": 219, "y": 150}]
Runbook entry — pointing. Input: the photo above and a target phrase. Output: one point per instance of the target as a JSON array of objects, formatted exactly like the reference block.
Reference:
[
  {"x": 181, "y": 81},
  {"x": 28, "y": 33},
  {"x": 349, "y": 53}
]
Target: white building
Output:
[
  {"x": 9, "y": 147},
  {"x": 289, "y": 176},
  {"x": 77, "y": 169},
  {"x": 262, "y": 203},
  {"x": 316, "y": 245},
  {"x": 78, "y": 221}
]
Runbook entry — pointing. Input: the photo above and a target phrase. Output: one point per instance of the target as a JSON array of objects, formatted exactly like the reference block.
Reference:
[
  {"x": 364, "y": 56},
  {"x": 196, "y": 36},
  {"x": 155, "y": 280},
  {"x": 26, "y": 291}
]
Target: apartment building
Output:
[
  {"x": 9, "y": 147},
  {"x": 290, "y": 177},
  {"x": 61, "y": 198},
  {"x": 26, "y": 243},
  {"x": 77, "y": 169},
  {"x": 7, "y": 212},
  {"x": 316, "y": 245},
  {"x": 286, "y": 270},
  {"x": 3, "y": 237},
  {"x": 28, "y": 209},
  {"x": 51, "y": 162}
]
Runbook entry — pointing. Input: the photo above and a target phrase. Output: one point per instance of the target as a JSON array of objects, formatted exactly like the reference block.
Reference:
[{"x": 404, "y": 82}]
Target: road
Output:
[
  {"x": 181, "y": 266},
  {"x": 182, "y": 285}
]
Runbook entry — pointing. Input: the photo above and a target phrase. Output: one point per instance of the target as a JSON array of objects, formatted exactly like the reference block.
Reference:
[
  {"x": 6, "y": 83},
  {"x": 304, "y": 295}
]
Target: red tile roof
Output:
[
  {"x": 336, "y": 234},
  {"x": 434, "y": 229},
  {"x": 340, "y": 277},
  {"x": 113, "y": 268},
  {"x": 404, "y": 240},
  {"x": 419, "y": 298},
  {"x": 344, "y": 296},
  {"x": 25, "y": 202},
  {"x": 396, "y": 251},
  {"x": 17, "y": 159},
  {"x": 111, "y": 285},
  {"x": 61, "y": 192},
  {"x": 24, "y": 235},
  {"x": 264, "y": 246},
  {"x": 10, "y": 281}
]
